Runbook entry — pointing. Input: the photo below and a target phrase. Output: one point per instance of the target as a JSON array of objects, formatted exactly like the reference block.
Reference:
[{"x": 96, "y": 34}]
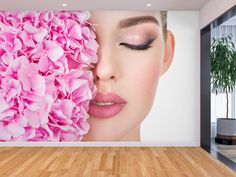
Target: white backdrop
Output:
[{"x": 175, "y": 115}]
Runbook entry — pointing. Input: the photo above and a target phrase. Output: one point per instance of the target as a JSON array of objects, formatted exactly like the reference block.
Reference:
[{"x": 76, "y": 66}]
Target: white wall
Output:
[
  {"x": 175, "y": 117},
  {"x": 213, "y": 9}
]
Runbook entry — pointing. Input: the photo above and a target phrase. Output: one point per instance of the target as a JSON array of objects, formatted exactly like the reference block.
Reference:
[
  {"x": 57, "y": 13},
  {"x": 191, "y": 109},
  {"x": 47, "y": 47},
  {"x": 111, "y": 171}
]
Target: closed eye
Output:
[{"x": 143, "y": 46}]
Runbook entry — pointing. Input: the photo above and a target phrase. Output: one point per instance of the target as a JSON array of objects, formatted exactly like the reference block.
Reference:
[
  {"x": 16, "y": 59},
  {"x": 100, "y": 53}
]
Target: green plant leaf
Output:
[{"x": 223, "y": 64}]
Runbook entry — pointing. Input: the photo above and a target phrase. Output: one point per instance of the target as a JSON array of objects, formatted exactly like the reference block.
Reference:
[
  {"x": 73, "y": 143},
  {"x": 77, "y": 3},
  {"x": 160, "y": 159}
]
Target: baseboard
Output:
[{"x": 97, "y": 144}]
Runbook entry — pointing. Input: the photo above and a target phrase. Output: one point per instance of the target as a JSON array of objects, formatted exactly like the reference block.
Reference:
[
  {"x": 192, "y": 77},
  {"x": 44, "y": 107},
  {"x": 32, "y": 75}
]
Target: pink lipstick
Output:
[{"x": 106, "y": 105}]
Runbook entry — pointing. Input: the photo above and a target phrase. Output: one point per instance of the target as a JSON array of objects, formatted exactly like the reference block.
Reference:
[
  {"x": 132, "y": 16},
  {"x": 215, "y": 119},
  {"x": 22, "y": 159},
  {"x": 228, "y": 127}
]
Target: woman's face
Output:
[{"x": 132, "y": 55}]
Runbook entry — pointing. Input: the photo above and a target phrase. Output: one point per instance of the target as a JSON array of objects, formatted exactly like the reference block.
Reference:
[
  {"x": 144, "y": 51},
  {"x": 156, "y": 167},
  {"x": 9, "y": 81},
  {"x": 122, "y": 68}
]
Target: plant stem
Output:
[{"x": 227, "y": 104}]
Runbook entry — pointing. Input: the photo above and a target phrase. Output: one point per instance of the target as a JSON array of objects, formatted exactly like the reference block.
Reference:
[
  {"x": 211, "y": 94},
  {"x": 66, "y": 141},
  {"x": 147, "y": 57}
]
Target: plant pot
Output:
[{"x": 226, "y": 131}]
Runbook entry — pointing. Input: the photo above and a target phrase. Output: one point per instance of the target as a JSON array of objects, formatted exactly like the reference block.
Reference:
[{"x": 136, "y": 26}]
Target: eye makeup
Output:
[
  {"x": 144, "y": 46},
  {"x": 138, "y": 37}
]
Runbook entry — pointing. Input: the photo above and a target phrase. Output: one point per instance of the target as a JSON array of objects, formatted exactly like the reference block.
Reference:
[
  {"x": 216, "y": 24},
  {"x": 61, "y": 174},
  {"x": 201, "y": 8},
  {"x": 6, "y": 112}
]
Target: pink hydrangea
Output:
[{"x": 45, "y": 86}]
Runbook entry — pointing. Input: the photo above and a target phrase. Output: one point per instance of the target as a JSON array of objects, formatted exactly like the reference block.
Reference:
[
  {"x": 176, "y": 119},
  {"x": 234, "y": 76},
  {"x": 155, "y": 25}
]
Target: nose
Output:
[{"x": 105, "y": 68}]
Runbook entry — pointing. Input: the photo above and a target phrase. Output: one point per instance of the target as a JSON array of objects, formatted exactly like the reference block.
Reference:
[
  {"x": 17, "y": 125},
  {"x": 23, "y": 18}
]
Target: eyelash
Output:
[{"x": 144, "y": 46}]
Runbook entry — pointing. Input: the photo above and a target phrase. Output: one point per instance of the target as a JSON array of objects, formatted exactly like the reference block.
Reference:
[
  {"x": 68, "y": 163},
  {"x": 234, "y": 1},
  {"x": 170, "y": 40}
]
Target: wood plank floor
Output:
[
  {"x": 110, "y": 161},
  {"x": 228, "y": 151}
]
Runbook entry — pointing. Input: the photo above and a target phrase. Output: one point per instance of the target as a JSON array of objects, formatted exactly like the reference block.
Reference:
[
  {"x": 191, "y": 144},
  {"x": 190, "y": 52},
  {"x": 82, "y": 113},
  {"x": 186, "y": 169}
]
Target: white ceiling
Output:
[{"x": 102, "y": 4}]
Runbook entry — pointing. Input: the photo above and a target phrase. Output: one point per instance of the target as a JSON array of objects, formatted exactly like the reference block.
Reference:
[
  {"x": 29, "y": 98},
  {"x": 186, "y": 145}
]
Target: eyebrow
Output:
[{"x": 137, "y": 20}]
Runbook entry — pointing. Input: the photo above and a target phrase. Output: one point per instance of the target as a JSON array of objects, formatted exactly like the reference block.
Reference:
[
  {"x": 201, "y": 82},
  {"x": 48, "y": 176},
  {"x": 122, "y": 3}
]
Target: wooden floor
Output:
[
  {"x": 228, "y": 151},
  {"x": 110, "y": 161}
]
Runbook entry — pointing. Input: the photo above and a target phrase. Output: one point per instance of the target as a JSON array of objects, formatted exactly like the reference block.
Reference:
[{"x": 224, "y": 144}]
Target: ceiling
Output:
[{"x": 102, "y": 4}]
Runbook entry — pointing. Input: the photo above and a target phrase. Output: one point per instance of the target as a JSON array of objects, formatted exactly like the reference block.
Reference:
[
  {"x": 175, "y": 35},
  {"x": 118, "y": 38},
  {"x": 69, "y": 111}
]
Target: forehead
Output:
[{"x": 115, "y": 17}]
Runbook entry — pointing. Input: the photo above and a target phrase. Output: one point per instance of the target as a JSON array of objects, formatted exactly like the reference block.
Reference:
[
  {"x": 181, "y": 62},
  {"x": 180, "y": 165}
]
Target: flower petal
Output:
[
  {"x": 32, "y": 118},
  {"x": 40, "y": 35},
  {"x": 30, "y": 28},
  {"x": 25, "y": 81},
  {"x": 55, "y": 53},
  {"x": 15, "y": 129},
  {"x": 37, "y": 82},
  {"x": 4, "y": 105},
  {"x": 43, "y": 64},
  {"x": 67, "y": 107},
  {"x": 4, "y": 134},
  {"x": 75, "y": 32}
]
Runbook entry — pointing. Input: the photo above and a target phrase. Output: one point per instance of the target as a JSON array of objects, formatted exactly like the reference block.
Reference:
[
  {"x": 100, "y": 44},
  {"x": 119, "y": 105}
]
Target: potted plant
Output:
[{"x": 223, "y": 78}]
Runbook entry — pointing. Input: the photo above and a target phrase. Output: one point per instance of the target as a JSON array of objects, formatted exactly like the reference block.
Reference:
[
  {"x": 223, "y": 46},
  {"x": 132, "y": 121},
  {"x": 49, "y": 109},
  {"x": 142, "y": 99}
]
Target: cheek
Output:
[
  {"x": 148, "y": 77},
  {"x": 144, "y": 77}
]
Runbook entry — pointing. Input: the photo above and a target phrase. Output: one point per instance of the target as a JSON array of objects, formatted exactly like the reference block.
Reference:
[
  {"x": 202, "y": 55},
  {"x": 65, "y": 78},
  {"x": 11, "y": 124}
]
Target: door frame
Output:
[{"x": 205, "y": 86}]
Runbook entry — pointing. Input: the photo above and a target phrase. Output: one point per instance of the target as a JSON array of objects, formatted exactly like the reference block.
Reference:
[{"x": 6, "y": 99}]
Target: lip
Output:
[{"x": 106, "y": 111}]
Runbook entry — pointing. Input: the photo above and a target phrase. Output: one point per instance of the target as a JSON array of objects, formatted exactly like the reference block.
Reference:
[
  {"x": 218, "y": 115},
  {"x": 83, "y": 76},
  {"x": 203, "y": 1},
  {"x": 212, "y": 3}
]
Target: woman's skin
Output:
[{"x": 132, "y": 56}]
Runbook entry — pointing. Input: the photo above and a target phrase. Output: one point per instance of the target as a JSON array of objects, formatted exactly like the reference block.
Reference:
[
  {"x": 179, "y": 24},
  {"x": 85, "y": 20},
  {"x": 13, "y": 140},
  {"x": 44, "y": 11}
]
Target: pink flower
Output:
[{"x": 44, "y": 89}]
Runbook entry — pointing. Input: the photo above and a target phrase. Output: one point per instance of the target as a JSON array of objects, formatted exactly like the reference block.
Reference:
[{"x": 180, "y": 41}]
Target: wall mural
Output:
[{"x": 80, "y": 76}]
